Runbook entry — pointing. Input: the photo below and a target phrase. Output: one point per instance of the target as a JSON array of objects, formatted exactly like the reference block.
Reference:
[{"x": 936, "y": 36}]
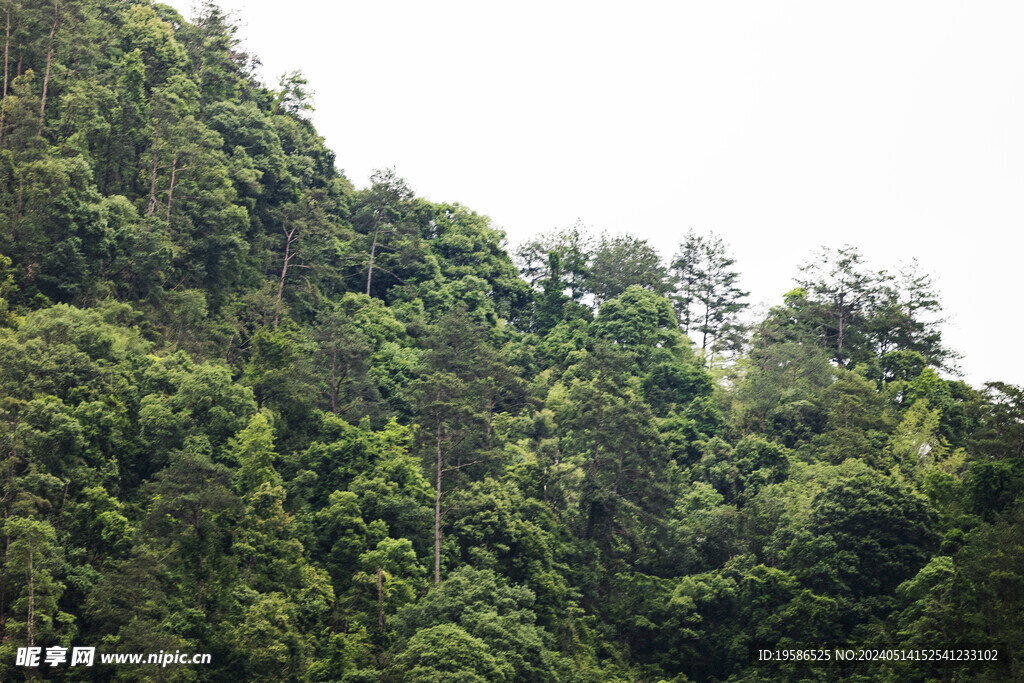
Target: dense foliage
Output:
[{"x": 327, "y": 433}]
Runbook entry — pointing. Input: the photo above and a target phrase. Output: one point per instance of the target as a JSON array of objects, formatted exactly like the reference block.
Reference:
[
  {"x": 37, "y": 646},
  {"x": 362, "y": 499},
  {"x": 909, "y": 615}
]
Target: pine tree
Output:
[{"x": 707, "y": 298}]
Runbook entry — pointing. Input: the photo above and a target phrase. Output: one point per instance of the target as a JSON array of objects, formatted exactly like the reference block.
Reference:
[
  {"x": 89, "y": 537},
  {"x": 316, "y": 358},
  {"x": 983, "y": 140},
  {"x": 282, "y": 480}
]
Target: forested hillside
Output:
[{"x": 326, "y": 433}]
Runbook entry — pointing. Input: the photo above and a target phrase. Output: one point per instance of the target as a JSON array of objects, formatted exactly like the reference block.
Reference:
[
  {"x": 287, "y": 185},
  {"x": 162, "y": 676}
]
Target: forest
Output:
[{"x": 329, "y": 433}]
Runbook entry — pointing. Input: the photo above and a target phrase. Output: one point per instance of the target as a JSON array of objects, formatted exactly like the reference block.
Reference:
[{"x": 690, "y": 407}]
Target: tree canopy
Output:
[{"x": 331, "y": 433}]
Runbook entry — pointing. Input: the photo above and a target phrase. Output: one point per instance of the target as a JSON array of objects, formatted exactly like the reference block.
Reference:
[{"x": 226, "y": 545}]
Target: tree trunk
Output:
[
  {"x": 334, "y": 382},
  {"x": 490, "y": 421},
  {"x": 380, "y": 598},
  {"x": 839, "y": 339},
  {"x": 437, "y": 512},
  {"x": 151, "y": 207},
  {"x": 199, "y": 559},
  {"x": 31, "y": 598},
  {"x": 618, "y": 474},
  {"x": 7, "y": 48},
  {"x": 373, "y": 251},
  {"x": 49, "y": 58},
  {"x": 170, "y": 191},
  {"x": 289, "y": 239},
  {"x": 3, "y": 589}
]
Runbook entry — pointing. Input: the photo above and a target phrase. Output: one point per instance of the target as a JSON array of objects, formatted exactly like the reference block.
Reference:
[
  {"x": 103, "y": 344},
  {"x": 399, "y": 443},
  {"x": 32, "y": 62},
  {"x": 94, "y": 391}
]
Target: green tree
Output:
[
  {"x": 485, "y": 618},
  {"x": 383, "y": 219},
  {"x": 620, "y": 261},
  {"x": 33, "y": 558},
  {"x": 190, "y": 508},
  {"x": 573, "y": 247},
  {"x": 708, "y": 300}
]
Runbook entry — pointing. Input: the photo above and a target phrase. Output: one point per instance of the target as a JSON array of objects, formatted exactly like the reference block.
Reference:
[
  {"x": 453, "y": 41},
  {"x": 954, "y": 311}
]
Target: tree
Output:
[
  {"x": 382, "y": 216},
  {"x": 190, "y": 505},
  {"x": 270, "y": 640},
  {"x": 843, "y": 295},
  {"x": 31, "y": 557},
  {"x": 394, "y": 573},
  {"x": 550, "y": 306},
  {"x": 444, "y": 396},
  {"x": 293, "y": 95},
  {"x": 482, "y": 613},
  {"x": 49, "y": 61},
  {"x": 610, "y": 431},
  {"x": 343, "y": 357},
  {"x": 639, "y": 321},
  {"x": 468, "y": 248},
  {"x": 7, "y": 65},
  {"x": 707, "y": 299},
  {"x": 223, "y": 67},
  {"x": 621, "y": 261},
  {"x": 447, "y": 653},
  {"x": 880, "y": 530},
  {"x": 974, "y": 596},
  {"x": 253, "y": 452},
  {"x": 908, "y": 318},
  {"x": 573, "y": 247}
]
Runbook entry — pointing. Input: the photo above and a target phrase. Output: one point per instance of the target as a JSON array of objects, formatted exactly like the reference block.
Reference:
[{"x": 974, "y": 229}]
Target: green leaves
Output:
[
  {"x": 473, "y": 622},
  {"x": 708, "y": 300},
  {"x": 265, "y": 400}
]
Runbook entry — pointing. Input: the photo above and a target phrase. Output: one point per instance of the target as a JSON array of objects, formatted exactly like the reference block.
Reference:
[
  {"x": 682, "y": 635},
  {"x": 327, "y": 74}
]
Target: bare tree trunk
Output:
[
  {"x": 288, "y": 255},
  {"x": 842, "y": 317},
  {"x": 490, "y": 421},
  {"x": 31, "y": 598},
  {"x": 8, "y": 511},
  {"x": 152, "y": 179},
  {"x": 707, "y": 318},
  {"x": 7, "y": 48},
  {"x": 437, "y": 511},
  {"x": 3, "y": 589},
  {"x": 373, "y": 252},
  {"x": 170, "y": 192},
  {"x": 334, "y": 382},
  {"x": 380, "y": 598},
  {"x": 49, "y": 58},
  {"x": 199, "y": 559}
]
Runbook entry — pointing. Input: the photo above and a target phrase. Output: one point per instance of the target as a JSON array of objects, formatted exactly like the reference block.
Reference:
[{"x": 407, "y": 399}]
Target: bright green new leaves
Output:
[
  {"x": 253, "y": 453},
  {"x": 639, "y": 320}
]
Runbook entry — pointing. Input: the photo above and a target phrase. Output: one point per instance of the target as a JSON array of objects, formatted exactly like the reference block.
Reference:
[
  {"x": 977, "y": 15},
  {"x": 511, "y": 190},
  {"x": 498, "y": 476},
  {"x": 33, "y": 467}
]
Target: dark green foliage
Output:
[
  {"x": 707, "y": 298},
  {"x": 622, "y": 261},
  {"x": 326, "y": 433},
  {"x": 880, "y": 529},
  {"x": 480, "y": 616}
]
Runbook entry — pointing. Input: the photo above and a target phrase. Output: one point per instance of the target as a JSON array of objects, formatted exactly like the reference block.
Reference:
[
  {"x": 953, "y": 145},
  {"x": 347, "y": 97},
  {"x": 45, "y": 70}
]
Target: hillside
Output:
[{"x": 323, "y": 433}]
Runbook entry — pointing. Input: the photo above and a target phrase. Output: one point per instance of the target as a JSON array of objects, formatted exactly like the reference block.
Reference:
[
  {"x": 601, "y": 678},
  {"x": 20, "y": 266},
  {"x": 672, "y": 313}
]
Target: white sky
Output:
[{"x": 782, "y": 126}]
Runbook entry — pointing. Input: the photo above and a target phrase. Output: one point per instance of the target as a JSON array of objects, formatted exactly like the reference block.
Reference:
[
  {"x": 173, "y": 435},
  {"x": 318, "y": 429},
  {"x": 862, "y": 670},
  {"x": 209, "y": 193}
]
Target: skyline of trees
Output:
[{"x": 325, "y": 433}]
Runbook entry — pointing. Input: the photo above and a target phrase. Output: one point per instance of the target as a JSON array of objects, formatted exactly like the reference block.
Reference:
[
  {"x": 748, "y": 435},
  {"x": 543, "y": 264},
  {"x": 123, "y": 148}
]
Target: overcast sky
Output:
[{"x": 782, "y": 126}]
